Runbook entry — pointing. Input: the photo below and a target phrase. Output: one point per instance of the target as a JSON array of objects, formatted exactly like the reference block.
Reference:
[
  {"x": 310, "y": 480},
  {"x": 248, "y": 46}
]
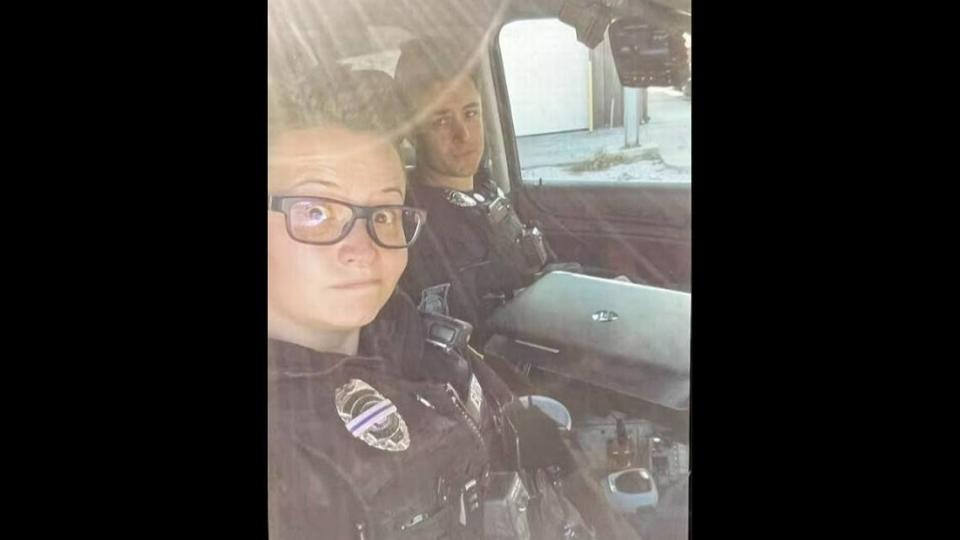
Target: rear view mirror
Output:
[{"x": 647, "y": 56}]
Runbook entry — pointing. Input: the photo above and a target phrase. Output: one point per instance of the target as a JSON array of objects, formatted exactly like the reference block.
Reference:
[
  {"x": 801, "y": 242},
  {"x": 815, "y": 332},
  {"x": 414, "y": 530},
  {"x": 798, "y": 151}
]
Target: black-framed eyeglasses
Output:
[{"x": 322, "y": 221}]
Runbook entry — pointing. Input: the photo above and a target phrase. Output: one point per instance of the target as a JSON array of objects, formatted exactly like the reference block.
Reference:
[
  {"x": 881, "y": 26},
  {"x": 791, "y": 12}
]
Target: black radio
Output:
[
  {"x": 521, "y": 247},
  {"x": 446, "y": 332}
]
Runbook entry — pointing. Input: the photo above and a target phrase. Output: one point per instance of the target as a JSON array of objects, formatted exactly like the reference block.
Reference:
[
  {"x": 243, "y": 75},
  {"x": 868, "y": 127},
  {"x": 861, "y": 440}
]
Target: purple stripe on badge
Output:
[
  {"x": 360, "y": 430},
  {"x": 365, "y": 416}
]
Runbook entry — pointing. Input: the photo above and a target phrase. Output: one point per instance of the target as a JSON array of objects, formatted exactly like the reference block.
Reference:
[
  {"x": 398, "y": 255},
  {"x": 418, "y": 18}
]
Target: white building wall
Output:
[{"x": 547, "y": 72}]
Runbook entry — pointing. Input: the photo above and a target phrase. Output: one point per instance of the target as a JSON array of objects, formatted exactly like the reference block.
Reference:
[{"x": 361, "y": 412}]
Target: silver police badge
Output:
[
  {"x": 371, "y": 417},
  {"x": 458, "y": 198}
]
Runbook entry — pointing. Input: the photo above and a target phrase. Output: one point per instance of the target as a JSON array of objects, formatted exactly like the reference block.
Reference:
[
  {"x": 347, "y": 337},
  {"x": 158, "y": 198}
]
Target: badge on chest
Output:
[{"x": 371, "y": 417}]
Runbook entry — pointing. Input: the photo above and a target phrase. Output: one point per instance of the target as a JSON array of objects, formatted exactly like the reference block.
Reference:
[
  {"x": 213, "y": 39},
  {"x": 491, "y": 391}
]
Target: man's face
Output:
[
  {"x": 450, "y": 139},
  {"x": 340, "y": 286}
]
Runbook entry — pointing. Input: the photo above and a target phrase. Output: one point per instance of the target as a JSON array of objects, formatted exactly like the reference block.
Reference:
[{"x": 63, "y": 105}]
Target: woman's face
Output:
[{"x": 341, "y": 286}]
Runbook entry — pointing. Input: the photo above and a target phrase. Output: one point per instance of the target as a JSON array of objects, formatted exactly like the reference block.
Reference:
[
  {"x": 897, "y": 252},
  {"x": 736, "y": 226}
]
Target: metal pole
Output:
[
  {"x": 589, "y": 95},
  {"x": 631, "y": 120},
  {"x": 644, "y": 117}
]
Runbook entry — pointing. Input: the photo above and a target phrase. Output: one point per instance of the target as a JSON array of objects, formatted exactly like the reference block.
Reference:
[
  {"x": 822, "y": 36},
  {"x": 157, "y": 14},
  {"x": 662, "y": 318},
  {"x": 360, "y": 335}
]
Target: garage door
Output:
[{"x": 548, "y": 77}]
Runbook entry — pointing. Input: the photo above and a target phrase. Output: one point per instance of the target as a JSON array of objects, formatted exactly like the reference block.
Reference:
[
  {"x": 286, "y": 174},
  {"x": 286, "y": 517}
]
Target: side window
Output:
[{"x": 573, "y": 119}]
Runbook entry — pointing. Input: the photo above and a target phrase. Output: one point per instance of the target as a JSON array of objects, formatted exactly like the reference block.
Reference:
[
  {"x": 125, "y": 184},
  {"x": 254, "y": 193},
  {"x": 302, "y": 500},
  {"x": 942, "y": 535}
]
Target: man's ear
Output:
[{"x": 407, "y": 151}]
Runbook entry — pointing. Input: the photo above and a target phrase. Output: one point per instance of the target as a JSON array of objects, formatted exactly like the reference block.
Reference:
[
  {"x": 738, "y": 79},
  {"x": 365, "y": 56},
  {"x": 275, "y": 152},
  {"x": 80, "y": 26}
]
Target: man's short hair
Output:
[{"x": 426, "y": 61}]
